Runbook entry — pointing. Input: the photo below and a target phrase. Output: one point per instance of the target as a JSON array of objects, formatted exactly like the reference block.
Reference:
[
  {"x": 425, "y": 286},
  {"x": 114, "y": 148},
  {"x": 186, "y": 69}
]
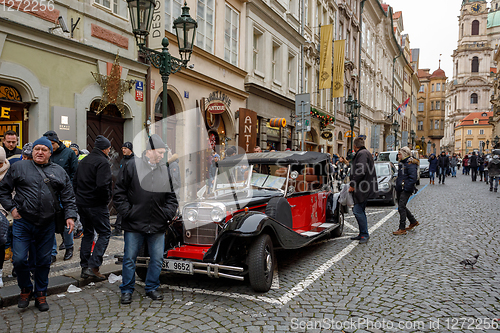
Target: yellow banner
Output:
[
  {"x": 325, "y": 71},
  {"x": 338, "y": 68}
]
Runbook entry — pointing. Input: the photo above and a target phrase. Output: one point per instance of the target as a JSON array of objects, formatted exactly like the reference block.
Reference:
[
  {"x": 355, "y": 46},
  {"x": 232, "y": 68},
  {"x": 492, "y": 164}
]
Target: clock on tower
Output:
[{"x": 476, "y": 8}]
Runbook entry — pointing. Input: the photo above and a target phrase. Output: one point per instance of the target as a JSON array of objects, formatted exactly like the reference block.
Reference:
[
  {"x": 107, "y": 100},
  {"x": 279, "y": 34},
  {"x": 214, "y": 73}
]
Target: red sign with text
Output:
[{"x": 139, "y": 95}]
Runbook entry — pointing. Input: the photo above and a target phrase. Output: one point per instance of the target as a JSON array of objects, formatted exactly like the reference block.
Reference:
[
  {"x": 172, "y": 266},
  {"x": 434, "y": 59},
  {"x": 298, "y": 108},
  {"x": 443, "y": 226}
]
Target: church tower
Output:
[{"x": 471, "y": 86}]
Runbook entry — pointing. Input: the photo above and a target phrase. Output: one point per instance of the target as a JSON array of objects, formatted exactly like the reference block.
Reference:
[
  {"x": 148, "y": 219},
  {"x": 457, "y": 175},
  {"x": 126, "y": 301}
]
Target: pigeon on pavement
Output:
[{"x": 470, "y": 262}]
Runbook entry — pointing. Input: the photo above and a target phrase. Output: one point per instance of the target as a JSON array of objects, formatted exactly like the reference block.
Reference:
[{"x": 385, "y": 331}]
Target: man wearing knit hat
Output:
[
  {"x": 34, "y": 209},
  {"x": 92, "y": 186},
  {"x": 128, "y": 154},
  {"x": 405, "y": 186},
  {"x": 145, "y": 197}
]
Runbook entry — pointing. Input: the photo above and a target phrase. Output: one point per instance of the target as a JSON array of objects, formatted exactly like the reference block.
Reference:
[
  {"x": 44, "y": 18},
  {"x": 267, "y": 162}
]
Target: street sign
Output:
[
  {"x": 307, "y": 121},
  {"x": 302, "y": 104},
  {"x": 349, "y": 134}
]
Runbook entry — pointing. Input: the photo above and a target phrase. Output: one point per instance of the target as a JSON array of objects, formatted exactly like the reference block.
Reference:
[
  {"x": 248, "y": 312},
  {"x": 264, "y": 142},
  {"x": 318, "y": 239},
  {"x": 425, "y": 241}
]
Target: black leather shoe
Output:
[
  {"x": 24, "y": 298},
  {"x": 53, "y": 259},
  {"x": 85, "y": 273},
  {"x": 69, "y": 254},
  {"x": 126, "y": 298},
  {"x": 356, "y": 238},
  {"x": 155, "y": 295}
]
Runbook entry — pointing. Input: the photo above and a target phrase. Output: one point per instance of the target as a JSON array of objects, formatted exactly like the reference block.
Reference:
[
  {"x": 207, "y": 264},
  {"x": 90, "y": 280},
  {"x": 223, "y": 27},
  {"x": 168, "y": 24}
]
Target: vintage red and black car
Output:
[{"x": 255, "y": 204}]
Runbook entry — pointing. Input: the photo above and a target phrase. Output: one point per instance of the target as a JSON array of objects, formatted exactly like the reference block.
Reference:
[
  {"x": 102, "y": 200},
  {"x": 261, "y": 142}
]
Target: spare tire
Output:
[{"x": 280, "y": 210}]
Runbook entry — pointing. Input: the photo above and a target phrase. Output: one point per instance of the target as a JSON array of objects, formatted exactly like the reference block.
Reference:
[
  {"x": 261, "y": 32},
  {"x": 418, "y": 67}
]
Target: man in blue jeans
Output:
[
  {"x": 363, "y": 185},
  {"x": 33, "y": 208},
  {"x": 405, "y": 186},
  {"x": 145, "y": 197}
]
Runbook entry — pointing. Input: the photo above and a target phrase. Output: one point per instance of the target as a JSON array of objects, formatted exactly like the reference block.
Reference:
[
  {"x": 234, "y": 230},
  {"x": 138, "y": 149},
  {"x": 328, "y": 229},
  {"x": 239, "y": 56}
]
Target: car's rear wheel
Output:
[
  {"x": 337, "y": 232},
  {"x": 261, "y": 262},
  {"x": 142, "y": 271},
  {"x": 392, "y": 202}
]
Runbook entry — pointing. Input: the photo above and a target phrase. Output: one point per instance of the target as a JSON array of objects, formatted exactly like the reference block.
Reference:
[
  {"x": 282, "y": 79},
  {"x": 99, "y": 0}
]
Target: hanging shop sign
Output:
[
  {"x": 349, "y": 134},
  {"x": 327, "y": 135},
  {"x": 217, "y": 102},
  {"x": 247, "y": 136}
]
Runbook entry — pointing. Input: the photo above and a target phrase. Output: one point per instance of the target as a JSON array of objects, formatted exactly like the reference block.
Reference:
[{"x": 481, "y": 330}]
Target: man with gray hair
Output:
[{"x": 363, "y": 185}]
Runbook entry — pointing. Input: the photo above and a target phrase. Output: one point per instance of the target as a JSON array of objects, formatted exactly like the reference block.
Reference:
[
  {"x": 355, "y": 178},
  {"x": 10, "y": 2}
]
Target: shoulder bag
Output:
[{"x": 59, "y": 217}]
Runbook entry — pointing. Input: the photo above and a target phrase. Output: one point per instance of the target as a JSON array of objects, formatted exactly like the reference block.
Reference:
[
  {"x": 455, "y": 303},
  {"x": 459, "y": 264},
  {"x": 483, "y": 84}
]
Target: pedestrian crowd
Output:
[{"x": 48, "y": 188}]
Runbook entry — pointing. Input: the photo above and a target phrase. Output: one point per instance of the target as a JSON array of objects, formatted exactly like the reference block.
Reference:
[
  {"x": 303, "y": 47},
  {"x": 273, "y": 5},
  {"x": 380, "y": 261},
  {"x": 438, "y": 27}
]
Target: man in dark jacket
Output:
[
  {"x": 363, "y": 185},
  {"x": 144, "y": 196},
  {"x": 405, "y": 186},
  {"x": 443, "y": 165},
  {"x": 33, "y": 208},
  {"x": 67, "y": 159},
  {"x": 10, "y": 140},
  {"x": 128, "y": 155},
  {"x": 473, "y": 165},
  {"x": 92, "y": 184}
]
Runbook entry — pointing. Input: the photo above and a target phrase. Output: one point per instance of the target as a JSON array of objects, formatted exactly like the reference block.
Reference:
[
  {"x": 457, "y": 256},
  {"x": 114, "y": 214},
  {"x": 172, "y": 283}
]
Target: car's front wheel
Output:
[
  {"x": 261, "y": 262},
  {"x": 337, "y": 232},
  {"x": 392, "y": 202}
]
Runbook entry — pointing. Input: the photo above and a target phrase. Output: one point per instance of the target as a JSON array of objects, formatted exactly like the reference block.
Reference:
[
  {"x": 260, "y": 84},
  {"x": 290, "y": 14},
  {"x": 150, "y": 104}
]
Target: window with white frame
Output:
[
  {"x": 172, "y": 11},
  {"x": 306, "y": 12},
  {"x": 306, "y": 79},
  {"x": 231, "y": 31},
  {"x": 205, "y": 31},
  {"x": 436, "y": 124},
  {"x": 481, "y": 143},
  {"x": 258, "y": 55},
  {"x": 422, "y": 88},
  {"x": 420, "y": 106},
  {"x": 291, "y": 72},
  {"x": 469, "y": 143},
  {"x": 276, "y": 63},
  {"x": 438, "y": 86},
  {"x": 420, "y": 125},
  {"x": 118, "y": 7},
  {"x": 469, "y": 132},
  {"x": 481, "y": 132},
  {"x": 347, "y": 43},
  {"x": 438, "y": 105},
  {"x": 432, "y": 88}
]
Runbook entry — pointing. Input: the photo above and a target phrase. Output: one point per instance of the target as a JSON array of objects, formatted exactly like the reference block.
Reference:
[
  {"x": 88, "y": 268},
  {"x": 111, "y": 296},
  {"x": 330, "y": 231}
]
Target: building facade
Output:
[{"x": 473, "y": 133}]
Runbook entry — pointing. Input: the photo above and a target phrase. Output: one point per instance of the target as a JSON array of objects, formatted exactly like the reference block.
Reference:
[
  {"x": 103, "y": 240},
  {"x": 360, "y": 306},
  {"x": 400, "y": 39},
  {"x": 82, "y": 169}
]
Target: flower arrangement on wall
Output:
[{"x": 323, "y": 118}]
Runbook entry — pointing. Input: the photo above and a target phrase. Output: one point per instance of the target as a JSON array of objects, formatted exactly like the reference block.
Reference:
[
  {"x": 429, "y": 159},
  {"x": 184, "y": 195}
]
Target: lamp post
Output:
[
  {"x": 413, "y": 135},
  {"x": 487, "y": 144},
  {"x": 429, "y": 147},
  {"x": 141, "y": 17},
  {"x": 352, "y": 110},
  {"x": 495, "y": 141},
  {"x": 434, "y": 148},
  {"x": 395, "y": 128}
]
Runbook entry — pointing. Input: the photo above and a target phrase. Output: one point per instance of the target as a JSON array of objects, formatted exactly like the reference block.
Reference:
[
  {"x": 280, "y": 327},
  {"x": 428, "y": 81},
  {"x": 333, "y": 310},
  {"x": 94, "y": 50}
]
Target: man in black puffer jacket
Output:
[
  {"x": 92, "y": 184},
  {"x": 405, "y": 186},
  {"x": 443, "y": 165},
  {"x": 145, "y": 197},
  {"x": 34, "y": 208},
  {"x": 473, "y": 164},
  {"x": 363, "y": 185}
]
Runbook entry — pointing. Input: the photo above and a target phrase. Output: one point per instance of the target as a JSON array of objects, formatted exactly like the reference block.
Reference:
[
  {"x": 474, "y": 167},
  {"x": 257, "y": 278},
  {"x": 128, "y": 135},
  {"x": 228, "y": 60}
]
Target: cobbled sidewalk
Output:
[{"x": 410, "y": 283}]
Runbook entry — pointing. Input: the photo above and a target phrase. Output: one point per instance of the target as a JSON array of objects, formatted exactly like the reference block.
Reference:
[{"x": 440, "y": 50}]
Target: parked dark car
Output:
[
  {"x": 258, "y": 202},
  {"x": 424, "y": 168},
  {"x": 386, "y": 177}
]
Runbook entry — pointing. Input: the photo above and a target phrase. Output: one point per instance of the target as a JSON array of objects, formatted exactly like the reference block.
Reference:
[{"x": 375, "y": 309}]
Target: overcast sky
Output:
[{"x": 432, "y": 26}]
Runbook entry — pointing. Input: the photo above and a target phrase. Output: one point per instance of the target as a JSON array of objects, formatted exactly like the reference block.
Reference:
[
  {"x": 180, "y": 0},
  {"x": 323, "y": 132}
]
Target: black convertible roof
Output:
[{"x": 279, "y": 157}]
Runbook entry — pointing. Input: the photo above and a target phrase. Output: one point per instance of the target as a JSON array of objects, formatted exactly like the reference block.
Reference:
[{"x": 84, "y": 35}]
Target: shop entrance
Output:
[{"x": 12, "y": 110}]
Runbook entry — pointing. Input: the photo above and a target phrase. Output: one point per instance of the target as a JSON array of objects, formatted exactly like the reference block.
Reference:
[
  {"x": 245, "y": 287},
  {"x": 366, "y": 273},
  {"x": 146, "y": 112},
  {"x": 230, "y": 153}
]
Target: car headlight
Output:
[
  {"x": 217, "y": 214},
  {"x": 192, "y": 215},
  {"x": 383, "y": 186}
]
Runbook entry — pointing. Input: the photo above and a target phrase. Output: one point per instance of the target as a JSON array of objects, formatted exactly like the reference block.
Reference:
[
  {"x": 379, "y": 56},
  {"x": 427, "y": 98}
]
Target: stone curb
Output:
[{"x": 57, "y": 284}]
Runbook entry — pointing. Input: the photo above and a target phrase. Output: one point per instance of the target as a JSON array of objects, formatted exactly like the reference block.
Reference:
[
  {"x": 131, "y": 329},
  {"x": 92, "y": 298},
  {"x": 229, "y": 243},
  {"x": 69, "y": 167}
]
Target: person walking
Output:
[
  {"x": 41, "y": 188},
  {"x": 4, "y": 166},
  {"x": 494, "y": 170},
  {"x": 92, "y": 185},
  {"x": 473, "y": 165},
  {"x": 453, "y": 165},
  {"x": 433, "y": 166},
  {"x": 443, "y": 165},
  {"x": 67, "y": 159},
  {"x": 363, "y": 185},
  {"x": 480, "y": 166},
  {"x": 145, "y": 197},
  {"x": 465, "y": 162},
  {"x": 405, "y": 186},
  {"x": 128, "y": 154}
]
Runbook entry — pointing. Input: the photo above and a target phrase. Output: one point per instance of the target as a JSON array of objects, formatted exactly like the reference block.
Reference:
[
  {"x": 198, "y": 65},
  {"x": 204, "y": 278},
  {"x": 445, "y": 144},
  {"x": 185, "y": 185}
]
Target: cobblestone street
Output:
[{"x": 408, "y": 283}]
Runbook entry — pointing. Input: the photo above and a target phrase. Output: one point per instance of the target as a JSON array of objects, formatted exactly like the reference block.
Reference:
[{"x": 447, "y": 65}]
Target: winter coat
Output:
[
  {"x": 126, "y": 159},
  {"x": 433, "y": 163},
  {"x": 407, "y": 174},
  {"x": 494, "y": 166},
  {"x": 144, "y": 196},
  {"x": 92, "y": 182},
  {"x": 10, "y": 153},
  {"x": 363, "y": 176},
  {"x": 453, "y": 161},
  {"x": 443, "y": 162},
  {"x": 33, "y": 199},
  {"x": 173, "y": 164},
  {"x": 466, "y": 161},
  {"x": 480, "y": 163},
  {"x": 473, "y": 161},
  {"x": 66, "y": 158}
]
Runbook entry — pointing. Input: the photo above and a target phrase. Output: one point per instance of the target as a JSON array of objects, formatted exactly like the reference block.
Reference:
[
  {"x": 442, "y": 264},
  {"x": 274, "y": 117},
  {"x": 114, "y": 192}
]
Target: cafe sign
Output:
[{"x": 217, "y": 102}]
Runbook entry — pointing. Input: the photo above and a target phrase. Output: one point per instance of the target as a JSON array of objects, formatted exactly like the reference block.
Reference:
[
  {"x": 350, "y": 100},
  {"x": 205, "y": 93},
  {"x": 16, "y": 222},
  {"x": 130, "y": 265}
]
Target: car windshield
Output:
[
  {"x": 382, "y": 169},
  {"x": 387, "y": 157},
  {"x": 267, "y": 177},
  {"x": 424, "y": 162}
]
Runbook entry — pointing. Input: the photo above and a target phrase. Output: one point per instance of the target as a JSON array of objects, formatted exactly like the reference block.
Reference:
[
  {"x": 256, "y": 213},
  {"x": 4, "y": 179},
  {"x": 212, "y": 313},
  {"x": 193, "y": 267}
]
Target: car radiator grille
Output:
[{"x": 204, "y": 231}]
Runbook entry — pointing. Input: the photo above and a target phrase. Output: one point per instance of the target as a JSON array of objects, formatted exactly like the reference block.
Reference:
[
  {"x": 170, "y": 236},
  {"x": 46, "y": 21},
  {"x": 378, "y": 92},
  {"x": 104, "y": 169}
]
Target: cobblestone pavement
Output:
[{"x": 408, "y": 283}]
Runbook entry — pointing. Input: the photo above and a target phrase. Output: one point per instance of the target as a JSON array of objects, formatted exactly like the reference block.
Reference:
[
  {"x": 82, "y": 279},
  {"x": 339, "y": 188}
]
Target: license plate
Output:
[{"x": 178, "y": 266}]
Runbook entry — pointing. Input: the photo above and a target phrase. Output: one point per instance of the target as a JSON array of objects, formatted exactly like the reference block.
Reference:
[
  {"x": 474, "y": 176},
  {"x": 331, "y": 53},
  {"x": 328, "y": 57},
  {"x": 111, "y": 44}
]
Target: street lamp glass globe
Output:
[
  {"x": 141, "y": 16},
  {"x": 185, "y": 27}
]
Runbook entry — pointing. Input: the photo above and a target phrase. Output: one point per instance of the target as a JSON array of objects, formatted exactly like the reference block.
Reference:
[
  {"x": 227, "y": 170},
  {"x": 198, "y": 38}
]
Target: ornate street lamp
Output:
[
  {"x": 487, "y": 144},
  {"x": 429, "y": 147},
  {"x": 352, "y": 109},
  {"x": 141, "y": 16},
  {"x": 495, "y": 141},
  {"x": 434, "y": 148},
  {"x": 395, "y": 128},
  {"x": 413, "y": 135}
]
